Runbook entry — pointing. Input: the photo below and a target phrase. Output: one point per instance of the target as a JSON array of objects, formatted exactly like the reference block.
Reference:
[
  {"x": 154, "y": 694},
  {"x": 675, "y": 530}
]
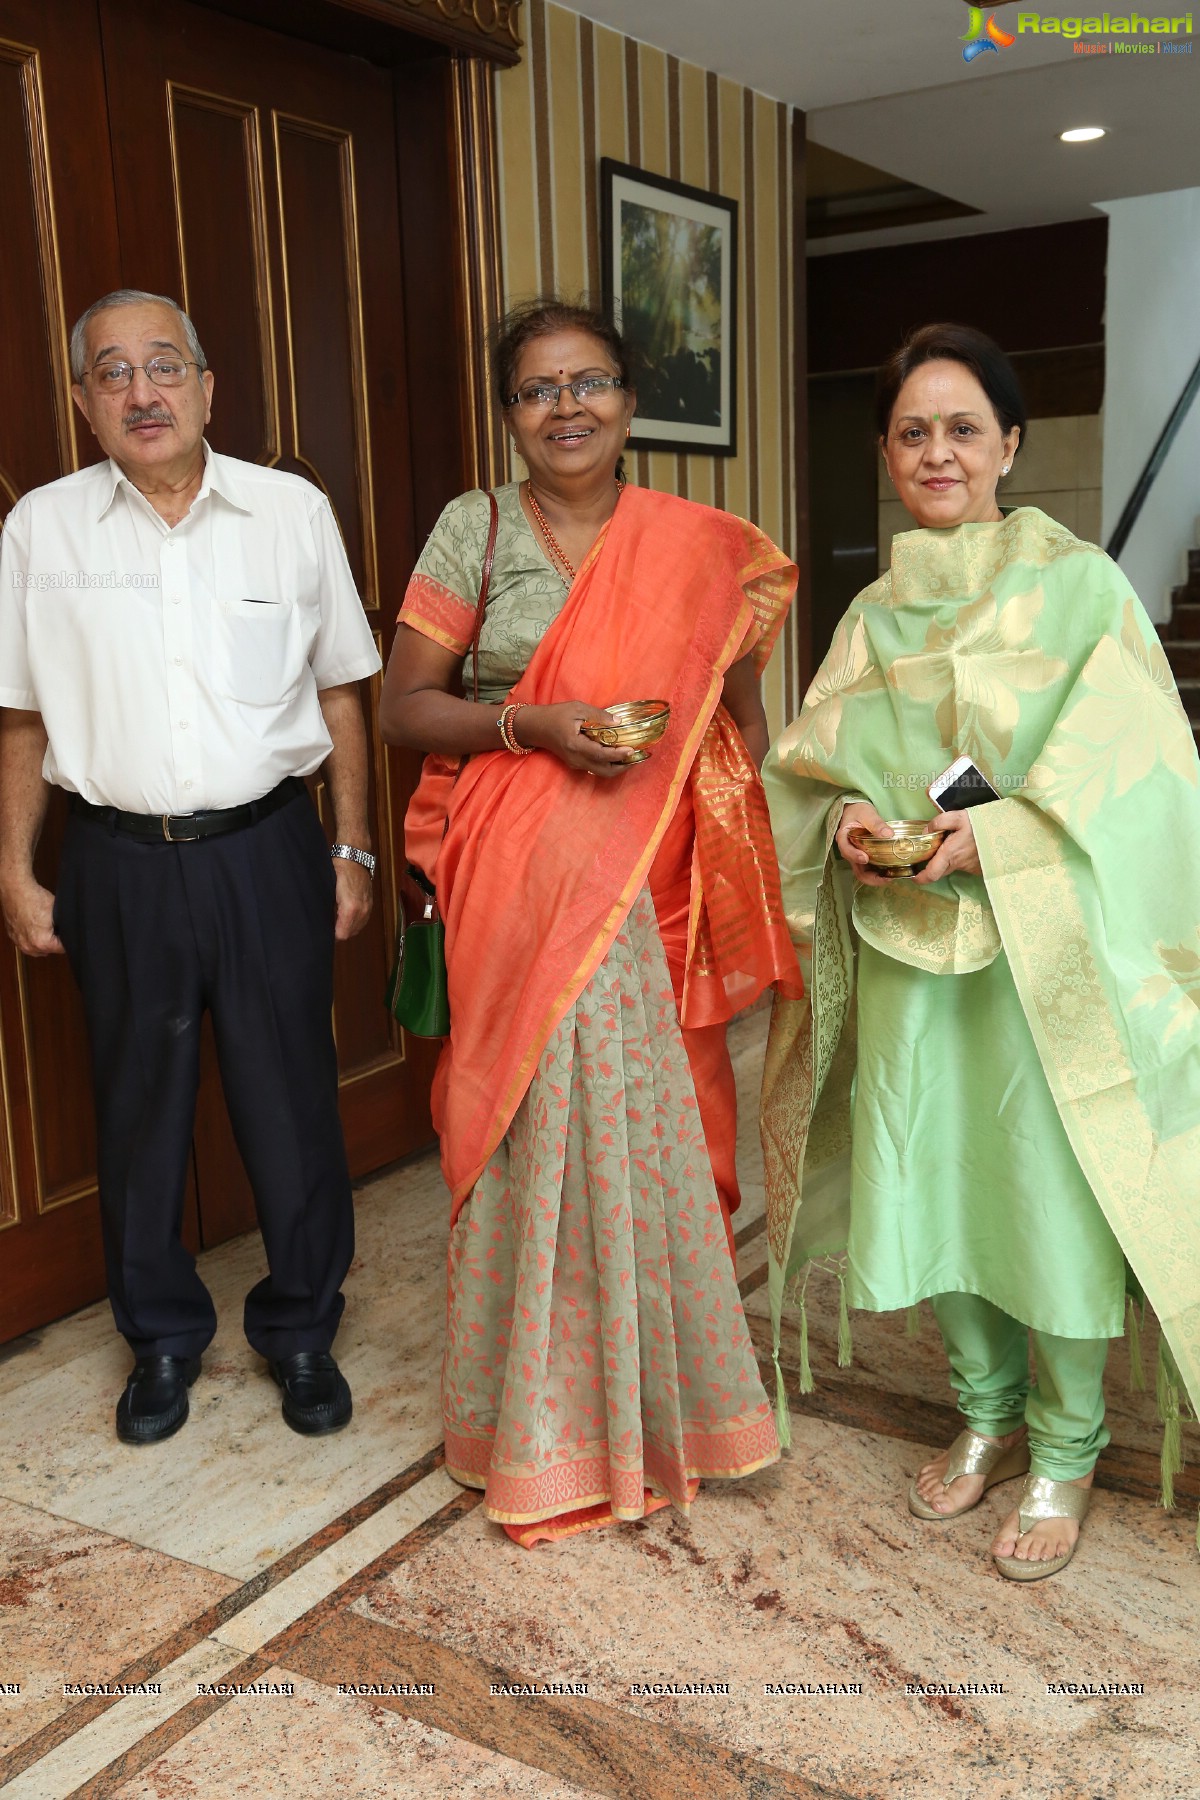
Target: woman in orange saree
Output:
[{"x": 604, "y": 920}]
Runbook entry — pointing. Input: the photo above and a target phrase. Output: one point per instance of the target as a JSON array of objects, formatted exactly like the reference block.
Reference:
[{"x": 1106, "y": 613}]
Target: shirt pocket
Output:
[{"x": 259, "y": 651}]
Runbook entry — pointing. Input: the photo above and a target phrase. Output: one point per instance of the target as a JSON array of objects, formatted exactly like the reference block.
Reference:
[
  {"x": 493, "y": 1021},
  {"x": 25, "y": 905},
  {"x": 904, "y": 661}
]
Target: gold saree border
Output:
[{"x": 591, "y": 1476}]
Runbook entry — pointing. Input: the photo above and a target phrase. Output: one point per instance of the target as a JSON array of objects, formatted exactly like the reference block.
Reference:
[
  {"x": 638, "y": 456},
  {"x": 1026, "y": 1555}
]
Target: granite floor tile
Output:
[
  {"x": 84, "y": 1334},
  {"x": 76, "y": 1606},
  {"x": 321, "y": 1745},
  {"x": 814, "y": 1572},
  {"x": 557, "y": 1727},
  {"x": 82, "y": 1757},
  {"x": 811, "y": 1572},
  {"x": 235, "y": 1489},
  {"x": 255, "y": 1624}
]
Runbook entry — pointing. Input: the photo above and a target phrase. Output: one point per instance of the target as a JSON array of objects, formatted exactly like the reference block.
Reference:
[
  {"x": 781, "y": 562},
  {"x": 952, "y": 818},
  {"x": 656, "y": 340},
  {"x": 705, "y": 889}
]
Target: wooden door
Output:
[
  {"x": 58, "y": 251},
  {"x": 165, "y": 146},
  {"x": 256, "y": 180}
]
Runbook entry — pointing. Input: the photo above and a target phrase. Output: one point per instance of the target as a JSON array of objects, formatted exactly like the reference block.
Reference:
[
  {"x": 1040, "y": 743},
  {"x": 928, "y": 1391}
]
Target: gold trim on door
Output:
[
  {"x": 27, "y": 59},
  {"x": 478, "y": 190},
  {"x": 10, "y": 1199},
  {"x": 81, "y": 1190}
]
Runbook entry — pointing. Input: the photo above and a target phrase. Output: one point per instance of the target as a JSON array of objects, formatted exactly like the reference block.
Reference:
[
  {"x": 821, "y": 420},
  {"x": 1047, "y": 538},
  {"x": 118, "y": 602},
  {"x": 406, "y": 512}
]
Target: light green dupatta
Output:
[{"x": 1025, "y": 648}]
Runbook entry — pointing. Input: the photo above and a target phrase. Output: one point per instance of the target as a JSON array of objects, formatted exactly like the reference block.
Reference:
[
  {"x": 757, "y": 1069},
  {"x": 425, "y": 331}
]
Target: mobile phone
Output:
[{"x": 960, "y": 786}]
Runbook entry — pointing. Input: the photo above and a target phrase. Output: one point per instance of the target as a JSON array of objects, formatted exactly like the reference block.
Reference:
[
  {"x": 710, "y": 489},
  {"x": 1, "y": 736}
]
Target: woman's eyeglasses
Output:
[{"x": 539, "y": 396}]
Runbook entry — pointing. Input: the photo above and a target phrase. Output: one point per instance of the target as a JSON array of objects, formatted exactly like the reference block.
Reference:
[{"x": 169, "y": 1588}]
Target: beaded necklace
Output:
[{"x": 552, "y": 543}]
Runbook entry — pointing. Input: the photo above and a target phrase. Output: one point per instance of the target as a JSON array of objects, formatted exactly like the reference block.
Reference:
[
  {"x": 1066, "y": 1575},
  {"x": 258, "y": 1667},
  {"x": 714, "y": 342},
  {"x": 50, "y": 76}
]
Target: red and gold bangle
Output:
[{"x": 505, "y": 726}]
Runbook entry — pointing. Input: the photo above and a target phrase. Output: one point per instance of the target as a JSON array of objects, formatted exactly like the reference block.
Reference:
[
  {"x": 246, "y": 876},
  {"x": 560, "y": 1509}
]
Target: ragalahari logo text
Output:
[{"x": 980, "y": 36}]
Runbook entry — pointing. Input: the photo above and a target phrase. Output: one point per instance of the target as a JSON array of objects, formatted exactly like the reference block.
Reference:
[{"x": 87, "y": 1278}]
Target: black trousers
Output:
[{"x": 240, "y": 925}]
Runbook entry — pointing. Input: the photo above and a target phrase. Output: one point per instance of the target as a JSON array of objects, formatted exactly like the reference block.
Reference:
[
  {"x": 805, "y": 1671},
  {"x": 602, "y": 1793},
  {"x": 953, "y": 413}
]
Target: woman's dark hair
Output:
[
  {"x": 953, "y": 343},
  {"x": 538, "y": 318}
]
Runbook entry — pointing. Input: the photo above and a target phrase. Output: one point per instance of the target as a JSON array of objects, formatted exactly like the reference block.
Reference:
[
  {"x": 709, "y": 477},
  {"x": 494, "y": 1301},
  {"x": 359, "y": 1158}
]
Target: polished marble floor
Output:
[{"x": 338, "y": 1621}]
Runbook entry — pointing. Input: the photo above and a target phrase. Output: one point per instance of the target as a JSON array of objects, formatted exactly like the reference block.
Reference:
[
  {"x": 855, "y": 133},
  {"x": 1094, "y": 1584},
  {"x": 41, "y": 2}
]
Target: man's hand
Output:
[
  {"x": 29, "y": 918},
  {"x": 354, "y": 898}
]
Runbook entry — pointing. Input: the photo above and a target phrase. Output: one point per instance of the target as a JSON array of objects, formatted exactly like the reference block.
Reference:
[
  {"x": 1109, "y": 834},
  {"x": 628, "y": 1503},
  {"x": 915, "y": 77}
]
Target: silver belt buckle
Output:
[{"x": 166, "y": 825}]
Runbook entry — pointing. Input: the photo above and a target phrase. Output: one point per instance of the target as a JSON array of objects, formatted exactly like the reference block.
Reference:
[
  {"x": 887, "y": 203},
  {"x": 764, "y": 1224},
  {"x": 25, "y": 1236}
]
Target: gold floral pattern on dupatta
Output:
[
  {"x": 1178, "y": 984},
  {"x": 975, "y": 669},
  {"x": 1126, "y": 724},
  {"x": 942, "y": 933},
  {"x": 945, "y": 565},
  {"x": 804, "y": 1041},
  {"x": 1143, "y": 1176},
  {"x": 848, "y": 670}
]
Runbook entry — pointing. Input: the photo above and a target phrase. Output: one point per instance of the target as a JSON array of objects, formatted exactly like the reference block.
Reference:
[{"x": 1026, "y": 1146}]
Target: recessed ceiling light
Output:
[{"x": 1083, "y": 134}]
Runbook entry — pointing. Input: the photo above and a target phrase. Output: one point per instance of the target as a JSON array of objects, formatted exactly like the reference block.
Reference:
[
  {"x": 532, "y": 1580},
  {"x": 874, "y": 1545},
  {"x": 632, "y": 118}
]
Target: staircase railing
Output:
[{"x": 1158, "y": 457}]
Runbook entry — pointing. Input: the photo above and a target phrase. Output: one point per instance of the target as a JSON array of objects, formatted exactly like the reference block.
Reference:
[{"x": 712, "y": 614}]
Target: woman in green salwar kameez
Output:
[{"x": 991, "y": 1099}]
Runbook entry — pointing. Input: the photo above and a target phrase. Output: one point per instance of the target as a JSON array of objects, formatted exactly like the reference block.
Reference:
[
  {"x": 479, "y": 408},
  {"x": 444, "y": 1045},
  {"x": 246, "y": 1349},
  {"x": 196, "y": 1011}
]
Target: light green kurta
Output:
[{"x": 961, "y": 1172}]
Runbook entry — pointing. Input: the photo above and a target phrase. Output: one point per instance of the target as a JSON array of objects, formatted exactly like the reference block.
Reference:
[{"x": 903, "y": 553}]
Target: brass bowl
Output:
[
  {"x": 912, "y": 844},
  {"x": 636, "y": 723}
]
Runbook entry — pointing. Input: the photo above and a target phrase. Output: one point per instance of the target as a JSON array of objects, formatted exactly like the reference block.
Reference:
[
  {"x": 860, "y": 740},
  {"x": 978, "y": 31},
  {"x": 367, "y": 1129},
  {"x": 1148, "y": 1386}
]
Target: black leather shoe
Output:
[
  {"x": 316, "y": 1395},
  {"x": 155, "y": 1402}
]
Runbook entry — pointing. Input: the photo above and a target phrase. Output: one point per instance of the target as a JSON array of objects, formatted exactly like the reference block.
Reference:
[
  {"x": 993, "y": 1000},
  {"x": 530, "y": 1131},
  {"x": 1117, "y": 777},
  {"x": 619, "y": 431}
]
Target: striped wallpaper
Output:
[{"x": 582, "y": 91}]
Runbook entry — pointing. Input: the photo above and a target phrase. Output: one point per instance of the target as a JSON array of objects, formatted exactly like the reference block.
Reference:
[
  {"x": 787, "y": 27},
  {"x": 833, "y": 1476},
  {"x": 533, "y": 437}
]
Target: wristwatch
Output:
[{"x": 351, "y": 854}]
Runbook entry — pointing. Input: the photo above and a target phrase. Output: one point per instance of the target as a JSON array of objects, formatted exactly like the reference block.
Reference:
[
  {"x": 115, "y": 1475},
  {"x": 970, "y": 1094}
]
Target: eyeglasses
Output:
[
  {"x": 163, "y": 371},
  {"x": 539, "y": 396}
]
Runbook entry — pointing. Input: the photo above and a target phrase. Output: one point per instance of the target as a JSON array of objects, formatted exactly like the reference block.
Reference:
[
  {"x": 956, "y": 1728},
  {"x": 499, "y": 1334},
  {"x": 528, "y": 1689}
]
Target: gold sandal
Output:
[
  {"x": 1042, "y": 1498},
  {"x": 971, "y": 1454}
]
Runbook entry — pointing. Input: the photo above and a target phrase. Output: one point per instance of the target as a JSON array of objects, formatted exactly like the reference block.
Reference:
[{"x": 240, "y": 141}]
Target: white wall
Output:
[{"x": 1152, "y": 338}]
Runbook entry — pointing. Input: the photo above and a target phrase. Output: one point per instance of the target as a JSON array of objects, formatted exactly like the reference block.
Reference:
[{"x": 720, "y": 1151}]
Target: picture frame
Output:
[{"x": 670, "y": 277}]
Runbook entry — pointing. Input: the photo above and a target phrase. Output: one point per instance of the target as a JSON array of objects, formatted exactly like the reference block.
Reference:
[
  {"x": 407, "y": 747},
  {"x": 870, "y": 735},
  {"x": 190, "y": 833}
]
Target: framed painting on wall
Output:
[{"x": 669, "y": 257}]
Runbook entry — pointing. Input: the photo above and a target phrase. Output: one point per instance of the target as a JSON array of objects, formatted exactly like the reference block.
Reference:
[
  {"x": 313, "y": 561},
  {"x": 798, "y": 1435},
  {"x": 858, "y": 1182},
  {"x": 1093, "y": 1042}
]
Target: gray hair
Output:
[{"x": 129, "y": 297}]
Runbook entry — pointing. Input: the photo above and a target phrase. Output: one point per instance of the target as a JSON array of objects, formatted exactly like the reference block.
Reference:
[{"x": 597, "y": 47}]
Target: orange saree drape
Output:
[{"x": 540, "y": 864}]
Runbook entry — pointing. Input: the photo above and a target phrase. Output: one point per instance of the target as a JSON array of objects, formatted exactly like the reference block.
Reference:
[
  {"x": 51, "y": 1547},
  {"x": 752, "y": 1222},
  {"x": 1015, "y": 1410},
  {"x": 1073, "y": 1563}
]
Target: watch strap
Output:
[{"x": 351, "y": 853}]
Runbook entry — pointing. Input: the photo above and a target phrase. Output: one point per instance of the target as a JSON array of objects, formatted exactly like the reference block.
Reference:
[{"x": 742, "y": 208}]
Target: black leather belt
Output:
[{"x": 185, "y": 828}]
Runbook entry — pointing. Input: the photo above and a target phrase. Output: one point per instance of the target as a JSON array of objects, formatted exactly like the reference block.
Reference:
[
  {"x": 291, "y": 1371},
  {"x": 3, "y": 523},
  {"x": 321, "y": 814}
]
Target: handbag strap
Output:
[{"x": 485, "y": 582}]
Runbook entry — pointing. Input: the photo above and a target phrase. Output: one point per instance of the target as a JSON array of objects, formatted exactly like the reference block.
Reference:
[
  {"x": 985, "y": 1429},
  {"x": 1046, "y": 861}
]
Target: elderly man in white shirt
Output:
[{"x": 180, "y": 643}]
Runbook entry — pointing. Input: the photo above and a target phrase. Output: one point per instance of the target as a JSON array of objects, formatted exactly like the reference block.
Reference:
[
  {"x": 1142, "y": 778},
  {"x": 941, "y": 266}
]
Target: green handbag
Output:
[{"x": 418, "y": 995}]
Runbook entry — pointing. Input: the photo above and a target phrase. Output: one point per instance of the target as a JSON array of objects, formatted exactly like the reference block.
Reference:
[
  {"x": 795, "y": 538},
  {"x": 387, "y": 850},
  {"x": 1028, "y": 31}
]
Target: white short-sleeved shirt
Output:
[{"x": 177, "y": 669}]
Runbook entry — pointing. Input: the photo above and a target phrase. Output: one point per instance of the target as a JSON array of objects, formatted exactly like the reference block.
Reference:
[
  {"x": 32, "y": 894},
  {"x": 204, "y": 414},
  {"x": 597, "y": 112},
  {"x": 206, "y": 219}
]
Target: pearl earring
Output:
[{"x": 1006, "y": 468}]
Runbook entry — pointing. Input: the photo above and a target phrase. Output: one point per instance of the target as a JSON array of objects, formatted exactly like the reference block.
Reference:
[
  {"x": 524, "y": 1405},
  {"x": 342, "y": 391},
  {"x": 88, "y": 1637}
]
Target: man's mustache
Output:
[{"x": 147, "y": 415}]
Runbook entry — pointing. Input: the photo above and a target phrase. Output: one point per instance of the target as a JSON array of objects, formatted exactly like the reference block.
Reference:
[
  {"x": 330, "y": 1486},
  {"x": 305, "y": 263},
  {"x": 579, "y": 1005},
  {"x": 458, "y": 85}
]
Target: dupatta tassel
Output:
[
  {"x": 845, "y": 1337},
  {"x": 1133, "y": 1331},
  {"x": 783, "y": 1422},
  {"x": 806, "y": 1378},
  {"x": 1168, "y": 1397}
]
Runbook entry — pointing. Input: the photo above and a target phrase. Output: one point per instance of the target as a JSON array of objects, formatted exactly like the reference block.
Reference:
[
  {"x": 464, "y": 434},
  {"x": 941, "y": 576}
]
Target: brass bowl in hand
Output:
[
  {"x": 635, "y": 723},
  {"x": 911, "y": 845}
]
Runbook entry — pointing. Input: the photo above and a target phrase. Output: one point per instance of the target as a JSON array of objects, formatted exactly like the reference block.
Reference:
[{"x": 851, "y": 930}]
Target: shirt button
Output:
[
  {"x": 187, "y": 784},
  {"x": 183, "y": 724},
  {"x": 178, "y": 662}
]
